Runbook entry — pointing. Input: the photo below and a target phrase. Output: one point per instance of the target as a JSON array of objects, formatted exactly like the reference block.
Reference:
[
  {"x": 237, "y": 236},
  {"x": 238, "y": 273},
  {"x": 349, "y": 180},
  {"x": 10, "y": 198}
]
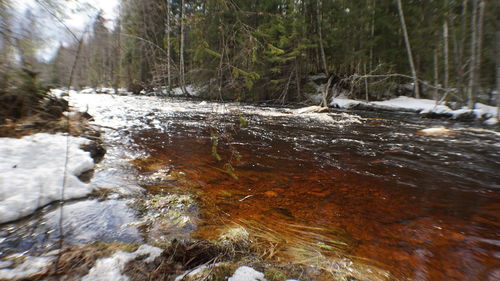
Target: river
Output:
[{"x": 361, "y": 185}]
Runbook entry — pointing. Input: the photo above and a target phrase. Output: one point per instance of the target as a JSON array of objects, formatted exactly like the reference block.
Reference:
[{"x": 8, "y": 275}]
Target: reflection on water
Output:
[{"x": 84, "y": 222}]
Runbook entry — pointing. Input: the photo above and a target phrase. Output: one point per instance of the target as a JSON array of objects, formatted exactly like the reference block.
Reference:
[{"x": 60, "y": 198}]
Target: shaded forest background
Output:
[{"x": 268, "y": 50}]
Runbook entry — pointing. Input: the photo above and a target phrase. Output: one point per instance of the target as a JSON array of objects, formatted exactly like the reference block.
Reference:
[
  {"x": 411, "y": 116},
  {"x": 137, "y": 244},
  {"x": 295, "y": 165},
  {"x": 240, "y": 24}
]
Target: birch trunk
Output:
[{"x": 408, "y": 50}]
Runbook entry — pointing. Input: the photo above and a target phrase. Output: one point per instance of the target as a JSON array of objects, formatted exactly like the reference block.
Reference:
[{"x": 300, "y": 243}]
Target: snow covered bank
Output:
[
  {"x": 111, "y": 268},
  {"x": 32, "y": 169},
  {"x": 30, "y": 266},
  {"x": 421, "y": 106}
]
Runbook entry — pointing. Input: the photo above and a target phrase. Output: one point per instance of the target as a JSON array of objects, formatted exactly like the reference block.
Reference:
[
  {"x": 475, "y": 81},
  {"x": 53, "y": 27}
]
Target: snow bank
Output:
[
  {"x": 57, "y": 93},
  {"x": 31, "y": 172},
  {"x": 111, "y": 268},
  {"x": 192, "y": 90},
  {"x": 421, "y": 106},
  {"x": 412, "y": 104}
]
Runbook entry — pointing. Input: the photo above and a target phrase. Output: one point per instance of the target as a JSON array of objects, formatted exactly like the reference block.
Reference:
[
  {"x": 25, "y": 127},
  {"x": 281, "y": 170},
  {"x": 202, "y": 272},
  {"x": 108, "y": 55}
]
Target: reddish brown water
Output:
[
  {"x": 423, "y": 208},
  {"x": 420, "y": 207}
]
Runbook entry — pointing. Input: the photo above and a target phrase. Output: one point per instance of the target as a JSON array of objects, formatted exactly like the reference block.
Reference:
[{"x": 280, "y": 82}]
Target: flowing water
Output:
[{"x": 362, "y": 184}]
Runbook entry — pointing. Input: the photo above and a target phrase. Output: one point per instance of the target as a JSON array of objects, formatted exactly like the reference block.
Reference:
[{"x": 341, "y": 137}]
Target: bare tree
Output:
[{"x": 408, "y": 50}]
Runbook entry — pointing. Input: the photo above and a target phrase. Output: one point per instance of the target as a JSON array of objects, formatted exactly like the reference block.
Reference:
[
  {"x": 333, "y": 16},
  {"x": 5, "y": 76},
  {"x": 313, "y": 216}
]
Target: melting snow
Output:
[
  {"x": 31, "y": 172},
  {"x": 30, "y": 266},
  {"x": 422, "y": 106},
  {"x": 111, "y": 268},
  {"x": 245, "y": 273}
]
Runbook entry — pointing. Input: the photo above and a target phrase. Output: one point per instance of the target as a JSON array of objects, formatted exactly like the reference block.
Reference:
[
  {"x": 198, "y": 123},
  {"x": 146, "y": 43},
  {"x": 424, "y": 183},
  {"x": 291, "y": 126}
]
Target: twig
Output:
[{"x": 246, "y": 197}]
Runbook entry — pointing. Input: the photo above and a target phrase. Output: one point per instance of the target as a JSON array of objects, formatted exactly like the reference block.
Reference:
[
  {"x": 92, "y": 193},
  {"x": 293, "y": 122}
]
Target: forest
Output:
[{"x": 266, "y": 50}]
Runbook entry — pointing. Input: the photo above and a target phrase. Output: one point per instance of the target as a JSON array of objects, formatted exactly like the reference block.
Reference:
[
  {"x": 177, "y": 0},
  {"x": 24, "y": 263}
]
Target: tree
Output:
[
  {"x": 408, "y": 50},
  {"x": 182, "y": 78}
]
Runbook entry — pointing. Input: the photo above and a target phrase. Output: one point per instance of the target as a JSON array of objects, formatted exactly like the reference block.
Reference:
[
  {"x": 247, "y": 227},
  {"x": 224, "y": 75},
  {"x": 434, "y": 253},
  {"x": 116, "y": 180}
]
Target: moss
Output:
[
  {"x": 222, "y": 272},
  {"x": 273, "y": 274},
  {"x": 108, "y": 248}
]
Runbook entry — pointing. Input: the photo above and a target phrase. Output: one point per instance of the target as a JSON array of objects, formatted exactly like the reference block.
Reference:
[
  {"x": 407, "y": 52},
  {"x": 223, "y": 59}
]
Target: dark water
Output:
[
  {"x": 420, "y": 207},
  {"x": 423, "y": 208}
]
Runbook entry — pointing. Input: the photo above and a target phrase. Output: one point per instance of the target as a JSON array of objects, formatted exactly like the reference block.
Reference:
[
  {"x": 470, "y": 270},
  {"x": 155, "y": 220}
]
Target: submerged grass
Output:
[{"x": 286, "y": 247}]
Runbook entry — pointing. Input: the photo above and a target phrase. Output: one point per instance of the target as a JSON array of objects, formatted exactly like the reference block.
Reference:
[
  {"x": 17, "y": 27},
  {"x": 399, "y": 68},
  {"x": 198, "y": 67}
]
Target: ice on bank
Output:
[{"x": 32, "y": 172}]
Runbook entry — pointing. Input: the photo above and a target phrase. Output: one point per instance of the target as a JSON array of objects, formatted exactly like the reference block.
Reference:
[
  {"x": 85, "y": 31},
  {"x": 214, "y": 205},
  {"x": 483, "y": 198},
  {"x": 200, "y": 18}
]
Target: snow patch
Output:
[
  {"x": 111, "y": 268},
  {"x": 57, "y": 93},
  {"x": 421, "y": 106},
  {"x": 32, "y": 169},
  {"x": 192, "y": 91},
  {"x": 245, "y": 273},
  {"x": 491, "y": 121},
  {"x": 344, "y": 102},
  {"x": 417, "y": 105},
  {"x": 30, "y": 266}
]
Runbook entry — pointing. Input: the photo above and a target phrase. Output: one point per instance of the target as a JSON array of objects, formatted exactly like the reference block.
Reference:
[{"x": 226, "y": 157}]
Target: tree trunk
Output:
[
  {"x": 372, "y": 33},
  {"x": 320, "y": 35},
  {"x": 324, "y": 100},
  {"x": 167, "y": 31},
  {"x": 471, "y": 89},
  {"x": 461, "y": 49},
  {"x": 436, "y": 74},
  {"x": 367, "y": 98},
  {"x": 445, "y": 55},
  {"x": 182, "y": 80},
  {"x": 117, "y": 72},
  {"x": 479, "y": 48},
  {"x": 408, "y": 50},
  {"x": 297, "y": 80},
  {"x": 497, "y": 61}
]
